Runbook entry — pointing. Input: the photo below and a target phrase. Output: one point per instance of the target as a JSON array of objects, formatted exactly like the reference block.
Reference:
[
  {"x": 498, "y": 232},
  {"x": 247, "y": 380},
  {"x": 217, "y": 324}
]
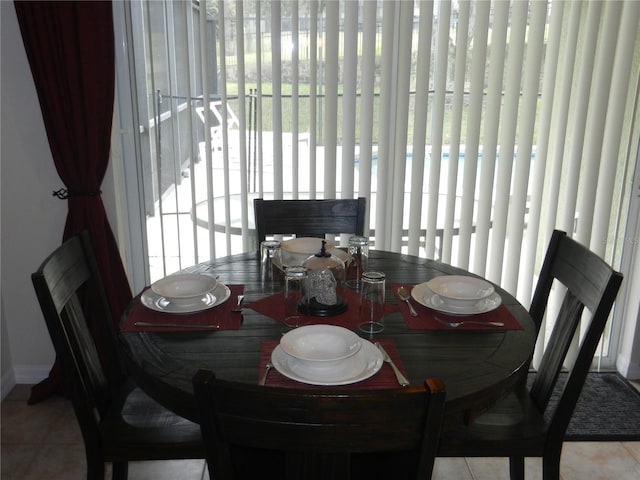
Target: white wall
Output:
[{"x": 32, "y": 219}]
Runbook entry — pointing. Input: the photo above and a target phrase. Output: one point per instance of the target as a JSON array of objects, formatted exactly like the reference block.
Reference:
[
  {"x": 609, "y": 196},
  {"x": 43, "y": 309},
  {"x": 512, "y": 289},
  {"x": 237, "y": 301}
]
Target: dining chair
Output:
[
  {"x": 523, "y": 424},
  {"x": 318, "y": 433},
  {"x": 309, "y": 218},
  {"x": 119, "y": 423}
]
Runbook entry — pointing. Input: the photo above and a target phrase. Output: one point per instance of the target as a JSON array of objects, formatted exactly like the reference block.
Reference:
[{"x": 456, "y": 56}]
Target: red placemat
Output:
[
  {"x": 384, "y": 378},
  {"x": 273, "y": 306},
  {"x": 426, "y": 317},
  {"x": 220, "y": 315}
]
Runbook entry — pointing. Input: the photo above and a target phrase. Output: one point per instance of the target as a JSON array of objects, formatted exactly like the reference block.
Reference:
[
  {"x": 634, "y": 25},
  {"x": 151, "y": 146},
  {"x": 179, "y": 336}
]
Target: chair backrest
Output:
[
  {"x": 309, "y": 218},
  {"x": 589, "y": 283},
  {"x": 67, "y": 284},
  {"x": 333, "y": 423}
]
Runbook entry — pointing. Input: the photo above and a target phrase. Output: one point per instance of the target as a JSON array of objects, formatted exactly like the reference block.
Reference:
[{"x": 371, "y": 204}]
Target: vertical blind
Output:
[{"x": 473, "y": 128}]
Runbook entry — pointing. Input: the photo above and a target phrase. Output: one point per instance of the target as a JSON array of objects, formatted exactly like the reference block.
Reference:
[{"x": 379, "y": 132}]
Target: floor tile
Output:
[
  {"x": 450, "y": 468},
  {"x": 598, "y": 461},
  {"x": 43, "y": 441},
  {"x": 167, "y": 470},
  {"x": 633, "y": 448}
]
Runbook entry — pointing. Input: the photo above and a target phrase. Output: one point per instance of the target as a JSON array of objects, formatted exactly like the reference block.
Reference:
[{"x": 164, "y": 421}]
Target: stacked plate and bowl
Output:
[
  {"x": 325, "y": 355},
  {"x": 457, "y": 295},
  {"x": 185, "y": 293}
]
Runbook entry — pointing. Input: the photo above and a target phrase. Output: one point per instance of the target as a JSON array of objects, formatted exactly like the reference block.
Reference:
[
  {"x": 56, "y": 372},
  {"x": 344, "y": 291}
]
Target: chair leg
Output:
[
  {"x": 551, "y": 466},
  {"x": 516, "y": 468},
  {"x": 95, "y": 466},
  {"x": 120, "y": 470}
]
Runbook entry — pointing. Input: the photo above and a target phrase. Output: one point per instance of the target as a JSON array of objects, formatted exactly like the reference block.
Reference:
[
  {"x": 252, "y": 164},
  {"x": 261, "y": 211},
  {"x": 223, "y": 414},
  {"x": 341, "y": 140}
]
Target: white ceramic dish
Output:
[
  {"x": 305, "y": 245},
  {"x": 217, "y": 296},
  {"x": 184, "y": 288},
  {"x": 321, "y": 345},
  {"x": 425, "y": 296},
  {"x": 460, "y": 291},
  {"x": 356, "y": 368},
  {"x": 296, "y": 250}
]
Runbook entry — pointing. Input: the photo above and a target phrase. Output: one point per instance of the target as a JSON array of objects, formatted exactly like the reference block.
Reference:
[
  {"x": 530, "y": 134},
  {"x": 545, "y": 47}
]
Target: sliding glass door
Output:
[{"x": 473, "y": 128}]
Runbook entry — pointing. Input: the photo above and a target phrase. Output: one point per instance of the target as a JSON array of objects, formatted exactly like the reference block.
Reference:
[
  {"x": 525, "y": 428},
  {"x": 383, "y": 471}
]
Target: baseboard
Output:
[
  {"x": 30, "y": 375},
  {"x": 7, "y": 383},
  {"x": 629, "y": 370}
]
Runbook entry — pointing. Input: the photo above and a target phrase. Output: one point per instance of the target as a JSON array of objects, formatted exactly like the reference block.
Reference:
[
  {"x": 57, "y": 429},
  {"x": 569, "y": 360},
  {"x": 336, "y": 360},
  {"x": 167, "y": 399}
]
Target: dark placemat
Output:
[
  {"x": 273, "y": 306},
  {"x": 220, "y": 315},
  {"x": 384, "y": 378},
  {"x": 426, "y": 319}
]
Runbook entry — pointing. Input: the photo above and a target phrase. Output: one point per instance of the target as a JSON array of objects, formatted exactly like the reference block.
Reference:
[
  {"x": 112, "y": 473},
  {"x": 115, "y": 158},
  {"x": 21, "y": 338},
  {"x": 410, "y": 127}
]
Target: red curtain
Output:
[{"x": 70, "y": 47}]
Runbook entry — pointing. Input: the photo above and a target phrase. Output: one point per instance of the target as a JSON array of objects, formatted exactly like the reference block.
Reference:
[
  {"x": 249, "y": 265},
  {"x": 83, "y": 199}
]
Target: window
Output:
[{"x": 473, "y": 128}]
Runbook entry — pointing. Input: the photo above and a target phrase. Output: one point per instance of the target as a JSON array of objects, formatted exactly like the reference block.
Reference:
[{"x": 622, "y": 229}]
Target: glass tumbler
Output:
[
  {"x": 270, "y": 255},
  {"x": 359, "y": 252},
  {"x": 294, "y": 290},
  {"x": 371, "y": 313}
]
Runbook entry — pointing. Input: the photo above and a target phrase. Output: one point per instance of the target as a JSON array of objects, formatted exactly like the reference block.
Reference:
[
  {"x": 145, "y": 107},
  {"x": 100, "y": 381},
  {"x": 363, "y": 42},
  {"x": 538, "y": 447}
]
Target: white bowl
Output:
[
  {"x": 184, "y": 288},
  {"x": 321, "y": 345},
  {"x": 296, "y": 250},
  {"x": 460, "y": 290}
]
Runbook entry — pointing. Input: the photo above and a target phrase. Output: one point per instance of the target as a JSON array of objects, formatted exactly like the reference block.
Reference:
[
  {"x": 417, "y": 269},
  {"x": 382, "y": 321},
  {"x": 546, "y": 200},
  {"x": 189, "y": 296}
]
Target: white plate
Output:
[
  {"x": 296, "y": 250},
  {"x": 184, "y": 288},
  {"x": 156, "y": 302},
  {"x": 305, "y": 245},
  {"x": 460, "y": 288},
  {"x": 360, "y": 366},
  {"x": 324, "y": 344},
  {"x": 423, "y": 295}
]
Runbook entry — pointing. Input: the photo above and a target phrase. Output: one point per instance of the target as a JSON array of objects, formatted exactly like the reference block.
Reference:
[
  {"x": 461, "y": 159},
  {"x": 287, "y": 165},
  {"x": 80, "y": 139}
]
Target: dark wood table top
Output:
[{"x": 477, "y": 366}]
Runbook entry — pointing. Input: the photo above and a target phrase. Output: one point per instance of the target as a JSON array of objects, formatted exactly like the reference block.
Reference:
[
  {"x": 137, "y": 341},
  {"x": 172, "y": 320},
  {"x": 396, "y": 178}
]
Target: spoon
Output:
[
  {"x": 263, "y": 380},
  {"x": 403, "y": 293},
  {"x": 462, "y": 322}
]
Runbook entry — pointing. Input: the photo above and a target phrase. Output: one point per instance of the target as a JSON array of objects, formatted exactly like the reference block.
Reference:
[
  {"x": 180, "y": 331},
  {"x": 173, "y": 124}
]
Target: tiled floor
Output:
[{"x": 43, "y": 442}]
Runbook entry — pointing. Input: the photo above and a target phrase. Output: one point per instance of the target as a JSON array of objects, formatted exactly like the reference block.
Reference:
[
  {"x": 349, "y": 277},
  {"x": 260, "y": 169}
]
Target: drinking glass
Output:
[
  {"x": 359, "y": 252},
  {"x": 270, "y": 255},
  {"x": 294, "y": 289},
  {"x": 371, "y": 313}
]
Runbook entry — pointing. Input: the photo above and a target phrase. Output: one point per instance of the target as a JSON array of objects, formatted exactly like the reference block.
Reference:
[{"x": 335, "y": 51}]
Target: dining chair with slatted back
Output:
[
  {"x": 525, "y": 424},
  {"x": 119, "y": 423},
  {"x": 317, "y": 433},
  {"x": 309, "y": 218}
]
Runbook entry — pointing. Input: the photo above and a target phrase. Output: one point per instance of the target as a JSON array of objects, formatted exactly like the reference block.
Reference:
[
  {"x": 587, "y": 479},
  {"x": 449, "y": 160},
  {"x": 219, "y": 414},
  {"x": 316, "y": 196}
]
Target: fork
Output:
[
  {"x": 462, "y": 322},
  {"x": 238, "y": 307}
]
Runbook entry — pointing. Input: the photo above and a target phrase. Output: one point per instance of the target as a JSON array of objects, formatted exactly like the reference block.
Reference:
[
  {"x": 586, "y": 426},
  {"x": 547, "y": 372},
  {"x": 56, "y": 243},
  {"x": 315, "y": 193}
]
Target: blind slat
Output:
[
  {"x": 276, "y": 104},
  {"x": 476, "y": 97},
  {"x": 367, "y": 105},
  {"x": 420, "y": 125},
  {"x": 437, "y": 125},
  {"x": 456, "y": 130}
]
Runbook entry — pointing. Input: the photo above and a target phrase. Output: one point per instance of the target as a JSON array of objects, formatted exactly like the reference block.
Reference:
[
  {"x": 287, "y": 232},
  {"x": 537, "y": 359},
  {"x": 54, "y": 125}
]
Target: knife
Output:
[
  {"x": 174, "y": 325},
  {"x": 402, "y": 380}
]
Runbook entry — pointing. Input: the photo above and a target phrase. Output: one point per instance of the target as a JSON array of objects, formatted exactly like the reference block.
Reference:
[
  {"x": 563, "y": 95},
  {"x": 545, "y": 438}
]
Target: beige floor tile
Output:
[
  {"x": 598, "y": 461},
  {"x": 44, "y": 441},
  {"x": 450, "y": 468},
  {"x": 633, "y": 448},
  {"x": 22, "y": 423},
  {"x": 167, "y": 470},
  {"x": 498, "y": 468},
  {"x": 15, "y": 460},
  {"x": 57, "y": 462}
]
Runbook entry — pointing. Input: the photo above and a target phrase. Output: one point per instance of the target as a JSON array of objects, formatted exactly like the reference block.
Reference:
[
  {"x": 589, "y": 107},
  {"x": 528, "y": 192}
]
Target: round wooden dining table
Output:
[{"x": 478, "y": 366}]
